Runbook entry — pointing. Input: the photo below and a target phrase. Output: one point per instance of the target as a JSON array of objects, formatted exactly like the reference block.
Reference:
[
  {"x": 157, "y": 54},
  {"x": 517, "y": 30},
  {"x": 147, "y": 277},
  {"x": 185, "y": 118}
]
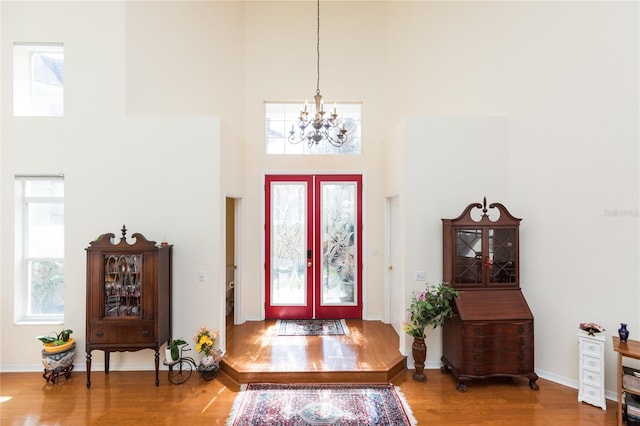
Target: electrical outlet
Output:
[
  {"x": 201, "y": 276},
  {"x": 421, "y": 276}
]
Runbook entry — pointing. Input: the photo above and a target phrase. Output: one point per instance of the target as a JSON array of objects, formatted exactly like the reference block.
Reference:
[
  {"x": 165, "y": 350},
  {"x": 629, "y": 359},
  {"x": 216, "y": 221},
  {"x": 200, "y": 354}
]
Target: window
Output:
[
  {"x": 39, "y": 248},
  {"x": 38, "y": 79},
  {"x": 280, "y": 118}
]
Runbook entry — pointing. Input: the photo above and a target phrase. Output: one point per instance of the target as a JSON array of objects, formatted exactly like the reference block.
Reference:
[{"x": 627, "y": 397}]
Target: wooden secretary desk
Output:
[{"x": 491, "y": 333}]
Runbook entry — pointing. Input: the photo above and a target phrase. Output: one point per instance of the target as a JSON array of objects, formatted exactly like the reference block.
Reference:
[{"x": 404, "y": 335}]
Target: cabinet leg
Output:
[
  {"x": 462, "y": 388},
  {"x": 106, "y": 361},
  {"x": 157, "y": 359},
  {"x": 88, "y": 359},
  {"x": 532, "y": 381}
]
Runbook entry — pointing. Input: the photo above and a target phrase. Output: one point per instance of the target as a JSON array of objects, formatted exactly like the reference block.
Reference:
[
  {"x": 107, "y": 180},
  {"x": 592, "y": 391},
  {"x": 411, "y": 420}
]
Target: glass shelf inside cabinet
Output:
[{"x": 122, "y": 285}]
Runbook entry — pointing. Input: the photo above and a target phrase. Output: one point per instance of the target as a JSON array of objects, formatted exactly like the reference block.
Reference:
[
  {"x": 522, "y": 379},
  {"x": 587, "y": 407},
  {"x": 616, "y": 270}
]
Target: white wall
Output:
[
  {"x": 158, "y": 175},
  {"x": 549, "y": 89},
  {"x": 564, "y": 156}
]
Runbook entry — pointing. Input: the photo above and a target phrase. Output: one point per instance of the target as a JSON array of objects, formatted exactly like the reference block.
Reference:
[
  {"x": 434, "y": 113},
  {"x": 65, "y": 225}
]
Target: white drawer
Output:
[
  {"x": 591, "y": 377},
  {"x": 591, "y": 348},
  {"x": 591, "y": 363},
  {"x": 591, "y": 393}
]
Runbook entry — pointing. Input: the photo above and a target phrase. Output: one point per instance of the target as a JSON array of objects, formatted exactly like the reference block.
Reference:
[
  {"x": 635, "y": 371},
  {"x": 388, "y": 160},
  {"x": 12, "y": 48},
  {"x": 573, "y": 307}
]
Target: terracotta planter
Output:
[{"x": 419, "y": 351}]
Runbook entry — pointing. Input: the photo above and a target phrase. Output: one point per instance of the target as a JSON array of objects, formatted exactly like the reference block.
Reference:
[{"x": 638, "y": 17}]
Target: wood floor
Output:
[{"x": 131, "y": 398}]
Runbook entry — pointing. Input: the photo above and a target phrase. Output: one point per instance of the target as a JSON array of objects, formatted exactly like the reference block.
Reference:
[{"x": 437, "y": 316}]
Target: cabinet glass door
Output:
[
  {"x": 122, "y": 285},
  {"x": 468, "y": 261},
  {"x": 502, "y": 256}
]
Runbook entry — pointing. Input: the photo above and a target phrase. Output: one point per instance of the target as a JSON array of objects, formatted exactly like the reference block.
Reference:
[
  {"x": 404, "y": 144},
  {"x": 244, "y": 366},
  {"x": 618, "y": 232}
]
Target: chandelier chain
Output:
[{"x": 318, "y": 49}]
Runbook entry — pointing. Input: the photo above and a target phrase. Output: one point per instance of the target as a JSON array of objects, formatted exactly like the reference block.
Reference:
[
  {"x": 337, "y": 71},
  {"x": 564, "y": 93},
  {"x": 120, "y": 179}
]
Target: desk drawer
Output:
[{"x": 484, "y": 329}]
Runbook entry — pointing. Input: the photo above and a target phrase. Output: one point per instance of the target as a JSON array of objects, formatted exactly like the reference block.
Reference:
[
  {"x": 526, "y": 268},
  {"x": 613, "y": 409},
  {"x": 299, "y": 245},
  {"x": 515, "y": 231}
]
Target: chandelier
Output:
[{"x": 320, "y": 125}]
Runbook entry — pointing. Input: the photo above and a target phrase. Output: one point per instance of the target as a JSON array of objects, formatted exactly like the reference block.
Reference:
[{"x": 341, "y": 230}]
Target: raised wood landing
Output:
[{"x": 369, "y": 354}]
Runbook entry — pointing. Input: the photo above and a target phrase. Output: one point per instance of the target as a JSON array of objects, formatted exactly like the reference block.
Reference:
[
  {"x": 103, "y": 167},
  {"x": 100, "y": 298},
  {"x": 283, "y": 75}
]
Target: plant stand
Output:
[{"x": 51, "y": 376}]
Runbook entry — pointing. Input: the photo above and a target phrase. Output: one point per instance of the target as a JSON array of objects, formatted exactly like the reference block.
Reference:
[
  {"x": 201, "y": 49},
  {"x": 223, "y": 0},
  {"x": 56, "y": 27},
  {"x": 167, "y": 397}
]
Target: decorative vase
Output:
[
  {"x": 623, "y": 333},
  {"x": 419, "y": 351}
]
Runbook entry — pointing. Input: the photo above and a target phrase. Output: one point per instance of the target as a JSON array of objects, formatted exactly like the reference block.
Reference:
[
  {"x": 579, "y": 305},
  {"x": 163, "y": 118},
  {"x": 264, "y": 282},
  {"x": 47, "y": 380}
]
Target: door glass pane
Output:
[
  {"x": 502, "y": 255},
  {"x": 468, "y": 262},
  {"x": 338, "y": 220},
  {"x": 288, "y": 243}
]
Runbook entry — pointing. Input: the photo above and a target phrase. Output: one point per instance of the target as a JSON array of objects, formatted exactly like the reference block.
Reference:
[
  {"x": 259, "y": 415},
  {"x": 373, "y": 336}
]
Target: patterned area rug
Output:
[
  {"x": 311, "y": 327},
  {"x": 315, "y": 404}
]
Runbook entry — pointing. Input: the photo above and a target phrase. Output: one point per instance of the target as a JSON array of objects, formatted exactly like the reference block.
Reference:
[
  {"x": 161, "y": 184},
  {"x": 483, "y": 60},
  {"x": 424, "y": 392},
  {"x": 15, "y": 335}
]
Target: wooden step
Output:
[{"x": 369, "y": 353}]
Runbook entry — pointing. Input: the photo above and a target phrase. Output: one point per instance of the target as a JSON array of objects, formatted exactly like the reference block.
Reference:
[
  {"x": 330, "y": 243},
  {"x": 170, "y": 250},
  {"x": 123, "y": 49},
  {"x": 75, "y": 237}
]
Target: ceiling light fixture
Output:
[{"x": 322, "y": 128}]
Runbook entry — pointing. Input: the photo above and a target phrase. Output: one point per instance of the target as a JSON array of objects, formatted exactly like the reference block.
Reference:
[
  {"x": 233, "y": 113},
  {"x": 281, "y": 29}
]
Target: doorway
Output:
[
  {"x": 231, "y": 263},
  {"x": 313, "y": 235}
]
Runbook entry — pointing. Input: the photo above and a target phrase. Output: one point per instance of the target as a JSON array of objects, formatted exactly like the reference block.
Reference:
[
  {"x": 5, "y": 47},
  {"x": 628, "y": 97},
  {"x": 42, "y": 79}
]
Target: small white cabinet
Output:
[{"x": 591, "y": 372}]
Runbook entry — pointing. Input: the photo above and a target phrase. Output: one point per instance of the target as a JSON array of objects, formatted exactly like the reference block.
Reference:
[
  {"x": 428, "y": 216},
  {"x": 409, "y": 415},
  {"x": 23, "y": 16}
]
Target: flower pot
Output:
[
  {"x": 52, "y": 349},
  {"x": 419, "y": 352},
  {"x": 58, "y": 363},
  {"x": 167, "y": 355},
  {"x": 208, "y": 368}
]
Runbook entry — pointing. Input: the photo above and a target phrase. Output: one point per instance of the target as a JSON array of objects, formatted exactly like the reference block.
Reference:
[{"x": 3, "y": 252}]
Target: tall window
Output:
[
  {"x": 280, "y": 118},
  {"x": 39, "y": 248},
  {"x": 38, "y": 79}
]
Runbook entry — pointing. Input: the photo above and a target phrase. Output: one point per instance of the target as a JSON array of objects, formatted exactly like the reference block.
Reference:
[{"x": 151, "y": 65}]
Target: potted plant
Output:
[
  {"x": 58, "y": 350},
  {"x": 210, "y": 362},
  {"x": 57, "y": 342},
  {"x": 172, "y": 352},
  {"x": 430, "y": 307}
]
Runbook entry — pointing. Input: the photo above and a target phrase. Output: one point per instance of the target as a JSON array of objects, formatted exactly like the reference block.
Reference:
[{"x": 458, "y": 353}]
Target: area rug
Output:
[
  {"x": 320, "y": 404},
  {"x": 311, "y": 327}
]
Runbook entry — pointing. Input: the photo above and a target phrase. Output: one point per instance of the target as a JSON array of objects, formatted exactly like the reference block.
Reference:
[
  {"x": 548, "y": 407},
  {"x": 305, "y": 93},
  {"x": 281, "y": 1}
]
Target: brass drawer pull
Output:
[
  {"x": 145, "y": 333},
  {"x": 99, "y": 333}
]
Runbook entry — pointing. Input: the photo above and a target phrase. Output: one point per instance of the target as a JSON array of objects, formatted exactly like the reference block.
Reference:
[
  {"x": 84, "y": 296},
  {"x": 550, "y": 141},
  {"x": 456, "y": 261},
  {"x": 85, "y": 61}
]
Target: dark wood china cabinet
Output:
[
  {"x": 128, "y": 296},
  {"x": 492, "y": 331}
]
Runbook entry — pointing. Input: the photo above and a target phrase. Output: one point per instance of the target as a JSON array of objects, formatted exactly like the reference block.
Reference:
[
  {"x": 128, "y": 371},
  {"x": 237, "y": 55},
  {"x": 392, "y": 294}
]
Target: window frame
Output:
[
  {"x": 25, "y": 84},
  {"x": 23, "y": 310},
  {"x": 352, "y": 111}
]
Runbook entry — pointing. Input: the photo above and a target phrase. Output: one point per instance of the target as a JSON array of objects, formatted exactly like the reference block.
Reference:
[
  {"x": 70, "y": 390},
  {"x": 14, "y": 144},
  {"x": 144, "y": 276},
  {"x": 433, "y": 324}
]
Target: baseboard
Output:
[{"x": 81, "y": 366}]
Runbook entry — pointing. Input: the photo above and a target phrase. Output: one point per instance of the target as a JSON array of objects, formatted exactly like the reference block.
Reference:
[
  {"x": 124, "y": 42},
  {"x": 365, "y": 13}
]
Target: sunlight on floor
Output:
[
  {"x": 213, "y": 399},
  {"x": 5, "y": 399}
]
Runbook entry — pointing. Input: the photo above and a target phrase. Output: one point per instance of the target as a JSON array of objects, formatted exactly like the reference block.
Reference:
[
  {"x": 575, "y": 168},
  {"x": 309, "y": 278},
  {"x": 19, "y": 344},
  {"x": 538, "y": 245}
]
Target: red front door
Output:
[{"x": 313, "y": 246}]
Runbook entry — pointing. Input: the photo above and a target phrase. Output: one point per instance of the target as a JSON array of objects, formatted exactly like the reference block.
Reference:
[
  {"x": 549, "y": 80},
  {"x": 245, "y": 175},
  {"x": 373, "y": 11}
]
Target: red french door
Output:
[{"x": 313, "y": 246}]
